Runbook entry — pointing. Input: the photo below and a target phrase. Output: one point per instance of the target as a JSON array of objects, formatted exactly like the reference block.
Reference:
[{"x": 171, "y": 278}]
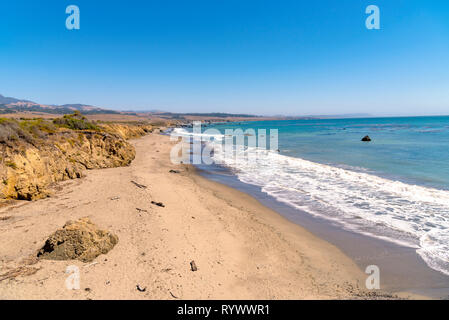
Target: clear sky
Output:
[{"x": 266, "y": 57}]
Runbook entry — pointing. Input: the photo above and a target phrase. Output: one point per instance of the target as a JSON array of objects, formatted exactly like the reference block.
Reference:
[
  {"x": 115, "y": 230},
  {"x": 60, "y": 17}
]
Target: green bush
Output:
[
  {"x": 75, "y": 121},
  {"x": 37, "y": 127},
  {"x": 10, "y": 130}
]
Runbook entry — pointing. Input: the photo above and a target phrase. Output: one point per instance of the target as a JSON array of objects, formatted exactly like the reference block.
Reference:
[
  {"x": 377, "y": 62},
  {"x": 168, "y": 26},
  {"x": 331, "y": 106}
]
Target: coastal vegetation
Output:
[
  {"x": 35, "y": 153},
  {"x": 75, "y": 121}
]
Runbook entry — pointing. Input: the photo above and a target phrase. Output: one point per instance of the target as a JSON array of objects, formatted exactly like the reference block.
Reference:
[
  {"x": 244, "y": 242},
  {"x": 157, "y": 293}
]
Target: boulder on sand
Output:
[
  {"x": 366, "y": 138},
  {"x": 78, "y": 240}
]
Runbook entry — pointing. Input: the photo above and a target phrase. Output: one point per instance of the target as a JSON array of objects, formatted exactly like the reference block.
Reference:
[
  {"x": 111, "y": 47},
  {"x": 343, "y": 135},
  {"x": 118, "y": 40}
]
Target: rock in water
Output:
[
  {"x": 366, "y": 138},
  {"x": 78, "y": 240}
]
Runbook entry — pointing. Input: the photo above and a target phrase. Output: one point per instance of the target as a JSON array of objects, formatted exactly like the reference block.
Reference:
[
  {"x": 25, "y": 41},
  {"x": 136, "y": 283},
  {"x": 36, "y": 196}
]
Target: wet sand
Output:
[{"x": 401, "y": 268}]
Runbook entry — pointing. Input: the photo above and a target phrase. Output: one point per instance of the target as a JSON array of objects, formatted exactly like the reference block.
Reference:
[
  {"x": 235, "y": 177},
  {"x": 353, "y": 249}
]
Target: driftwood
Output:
[
  {"x": 141, "y": 186},
  {"x": 193, "y": 266},
  {"x": 141, "y": 210},
  {"x": 91, "y": 264},
  {"x": 174, "y": 171},
  {"x": 20, "y": 271},
  {"x": 160, "y": 204},
  {"x": 139, "y": 288}
]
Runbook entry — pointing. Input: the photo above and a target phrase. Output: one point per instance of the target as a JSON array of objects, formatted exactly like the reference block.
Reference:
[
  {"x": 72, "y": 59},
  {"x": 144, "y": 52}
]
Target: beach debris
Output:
[
  {"x": 366, "y": 138},
  {"x": 90, "y": 264},
  {"x": 174, "y": 171},
  {"x": 173, "y": 295},
  {"x": 193, "y": 266},
  {"x": 141, "y": 186},
  {"x": 141, "y": 210},
  {"x": 114, "y": 198},
  {"x": 78, "y": 240},
  {"x": 30, "y": 260},
  {"x": 4, "y": 218},
  {"x": 139, "y": 288},
  {"x": 159, "y": 204},
  {"x": 20, "y": 271}
]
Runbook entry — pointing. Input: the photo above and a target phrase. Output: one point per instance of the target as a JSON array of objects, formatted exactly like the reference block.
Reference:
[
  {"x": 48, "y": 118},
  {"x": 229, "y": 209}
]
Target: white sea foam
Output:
[{"x": 410, "y": 215}]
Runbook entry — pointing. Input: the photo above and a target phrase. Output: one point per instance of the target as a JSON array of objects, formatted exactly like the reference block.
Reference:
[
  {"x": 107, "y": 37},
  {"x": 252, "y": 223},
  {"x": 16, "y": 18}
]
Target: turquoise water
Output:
[
  {"x": 395, "y": 187},
  {"x": 412, "y": 149}
]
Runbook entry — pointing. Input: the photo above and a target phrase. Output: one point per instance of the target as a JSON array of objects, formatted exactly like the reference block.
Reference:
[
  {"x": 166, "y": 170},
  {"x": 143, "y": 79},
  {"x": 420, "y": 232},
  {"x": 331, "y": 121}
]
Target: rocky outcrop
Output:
[
  {"x": 30, "y": 165},
  {"x": 366, "y": 139},
  {"x": 78, "y": 240}
]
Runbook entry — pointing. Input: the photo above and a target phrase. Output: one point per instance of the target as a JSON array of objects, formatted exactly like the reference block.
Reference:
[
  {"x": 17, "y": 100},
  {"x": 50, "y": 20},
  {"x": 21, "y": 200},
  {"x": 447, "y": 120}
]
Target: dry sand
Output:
[{"x": 242, "y": 249}]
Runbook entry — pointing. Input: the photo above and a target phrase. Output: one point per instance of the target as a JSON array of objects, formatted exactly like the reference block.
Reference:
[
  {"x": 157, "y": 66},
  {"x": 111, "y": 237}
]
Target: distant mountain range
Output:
[
  {"x": 13, "y": 105},
  {"x": 172, "y": 115},
  {"x": 8, "y": 100}
]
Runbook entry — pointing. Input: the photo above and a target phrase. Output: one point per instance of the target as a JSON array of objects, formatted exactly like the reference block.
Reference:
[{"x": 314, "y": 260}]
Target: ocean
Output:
[{"x": 395, "y": 187}]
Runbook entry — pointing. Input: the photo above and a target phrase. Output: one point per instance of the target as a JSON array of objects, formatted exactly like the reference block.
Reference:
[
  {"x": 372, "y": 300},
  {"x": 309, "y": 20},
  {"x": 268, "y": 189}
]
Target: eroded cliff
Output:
[{"x": 34, "y": 154}]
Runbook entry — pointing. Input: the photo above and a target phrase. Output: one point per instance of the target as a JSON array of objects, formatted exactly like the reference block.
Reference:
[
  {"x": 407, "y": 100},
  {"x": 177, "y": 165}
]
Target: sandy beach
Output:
[{"x": 242, "y": 249}]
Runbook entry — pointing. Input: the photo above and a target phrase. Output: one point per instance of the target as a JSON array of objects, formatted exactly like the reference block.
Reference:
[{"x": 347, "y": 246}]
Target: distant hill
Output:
[
  {"x": 8, "y": 100},
  {"x": 12, "y": 105},
  {"x": 211, "y": 114}
]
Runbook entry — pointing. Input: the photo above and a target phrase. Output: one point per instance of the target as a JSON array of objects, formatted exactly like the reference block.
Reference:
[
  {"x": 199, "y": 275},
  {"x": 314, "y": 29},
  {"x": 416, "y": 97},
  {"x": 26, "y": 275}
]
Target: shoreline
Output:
[
  {"x": 243, "y": 249},
  {"x": 402, "y": 268}
]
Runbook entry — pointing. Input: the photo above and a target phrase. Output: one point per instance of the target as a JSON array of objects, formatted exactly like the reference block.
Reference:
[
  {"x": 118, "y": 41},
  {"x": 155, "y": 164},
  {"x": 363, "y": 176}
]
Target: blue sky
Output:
[{"x": 265, "y": 57}]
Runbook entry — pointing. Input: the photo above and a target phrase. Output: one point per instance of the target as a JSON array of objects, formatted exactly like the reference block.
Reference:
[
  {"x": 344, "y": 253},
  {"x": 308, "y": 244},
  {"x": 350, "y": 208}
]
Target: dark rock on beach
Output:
[{"x": 193, "y": 266}]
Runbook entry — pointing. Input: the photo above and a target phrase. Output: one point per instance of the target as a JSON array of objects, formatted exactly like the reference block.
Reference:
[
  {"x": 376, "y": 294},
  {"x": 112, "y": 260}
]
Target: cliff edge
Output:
[{"x": 36, "y": 153}]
